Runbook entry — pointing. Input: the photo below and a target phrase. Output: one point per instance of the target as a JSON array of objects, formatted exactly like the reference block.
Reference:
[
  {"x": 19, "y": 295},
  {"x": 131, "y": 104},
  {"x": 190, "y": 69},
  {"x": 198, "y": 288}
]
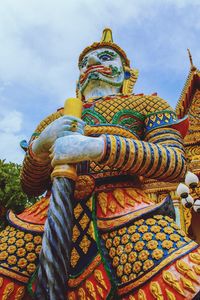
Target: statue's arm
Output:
[
  {"x": 161, "y": 156},
  {"x": 161, "y": 153},
  {"x": 36, "y": 169}
]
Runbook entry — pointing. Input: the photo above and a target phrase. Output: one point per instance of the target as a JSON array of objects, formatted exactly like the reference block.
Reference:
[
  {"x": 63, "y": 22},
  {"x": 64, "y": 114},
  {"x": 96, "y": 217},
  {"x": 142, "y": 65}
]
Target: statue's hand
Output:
[
  {"x": 66, "y": 125},
  {"x": 74, "y": 149}
]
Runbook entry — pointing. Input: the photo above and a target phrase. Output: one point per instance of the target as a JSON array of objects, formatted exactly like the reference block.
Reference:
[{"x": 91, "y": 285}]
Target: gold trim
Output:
[
  {"x": 180, "y": 109},
  {"x": 14, "y": 275},
  {"x": 73, "y": 282},
  {"x": 68, "y": 171},
  {"x": 128, "y": 84},
  {"x": 28, "y": 226},
  {"x": 90, "y": 130},
  {"x": 108, "y": 224},
  {"x": 147, "y": 276}
]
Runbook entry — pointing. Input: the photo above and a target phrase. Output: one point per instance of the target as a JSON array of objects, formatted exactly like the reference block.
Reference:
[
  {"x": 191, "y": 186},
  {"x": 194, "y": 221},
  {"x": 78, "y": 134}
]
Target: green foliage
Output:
[{"x": 11, "y": 194}]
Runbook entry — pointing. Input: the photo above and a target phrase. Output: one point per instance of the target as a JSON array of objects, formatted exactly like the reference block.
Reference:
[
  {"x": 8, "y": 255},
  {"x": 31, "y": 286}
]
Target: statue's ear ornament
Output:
[{"x": 130, "y": 78}]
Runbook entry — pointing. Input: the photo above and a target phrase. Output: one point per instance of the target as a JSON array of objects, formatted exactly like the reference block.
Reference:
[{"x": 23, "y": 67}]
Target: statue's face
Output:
[{"x": 102, "y": 67}]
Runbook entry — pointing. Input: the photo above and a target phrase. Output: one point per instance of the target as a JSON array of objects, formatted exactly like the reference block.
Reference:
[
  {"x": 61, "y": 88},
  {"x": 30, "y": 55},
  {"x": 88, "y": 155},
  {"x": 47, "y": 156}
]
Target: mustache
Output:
[{"x": 100, "y": 69}]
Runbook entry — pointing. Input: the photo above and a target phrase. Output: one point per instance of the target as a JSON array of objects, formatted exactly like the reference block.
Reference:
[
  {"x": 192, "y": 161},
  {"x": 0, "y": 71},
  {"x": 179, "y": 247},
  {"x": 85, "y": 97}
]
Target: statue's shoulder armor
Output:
[
  {"x": 141, "y": 103},
  {"x": 154, "y": 104},
  {"x": 147, "y": 104}
]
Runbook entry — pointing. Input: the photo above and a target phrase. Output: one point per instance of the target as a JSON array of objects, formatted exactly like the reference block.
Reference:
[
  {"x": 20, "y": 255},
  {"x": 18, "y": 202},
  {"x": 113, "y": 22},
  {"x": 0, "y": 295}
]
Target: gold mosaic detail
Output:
[
  {"x": 187, "y": 284},
  {"x": 141, "y": 103},
  {"x": 141, "y": 295},
  {"x": 156, "y": 291},
  {"x": 99, "y": 278},
  {"x": 83, "y": 230},
  {"x": 103, "y": 202},
  {"x": 72, "y": 296},
  {"x": 186, "y": 270},
  {"x": 74, "y": 257},
  {"x": 81, "y": 294},
  {"x": 91, "y": 290},
  {"x": 1, "y": 281},
  {"x": 89, "y": 204},
  {"x": 131, "y": 297},
  {"x": 19, "y": 250},
  {"x": 91, "y": 231},
  {"x": 85, "y": 244},
  {"x": 8, "y": 290},
  {"x": 196, "y": 269},
  {"x": 112, "y": 206},
  {"x": 84, "y": 187},
  {"x": 170, "y": 295},
  {"x": 100, "y": 291},
  {"x": 75, "y": 233},
  {"x": 135, "y": 249},
  {"x": 84, "y": 221},
  {"x": 20, "y": 293},
  {"x": 121, "y": 197},
  {"x": 172, "y": 281},
  {"x": 78, "y": 210},
  {"x": 195, "y": 257}
]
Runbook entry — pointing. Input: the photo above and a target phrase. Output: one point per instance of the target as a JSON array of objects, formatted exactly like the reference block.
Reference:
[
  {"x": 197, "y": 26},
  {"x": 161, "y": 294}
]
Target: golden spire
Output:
[
  {"x": 107, "y": 36},
  {"x": 191, "y": 60}
]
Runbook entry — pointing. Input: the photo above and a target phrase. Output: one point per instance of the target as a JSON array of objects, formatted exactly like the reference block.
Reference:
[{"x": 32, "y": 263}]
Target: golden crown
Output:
[{"x": 106, "y": 41}]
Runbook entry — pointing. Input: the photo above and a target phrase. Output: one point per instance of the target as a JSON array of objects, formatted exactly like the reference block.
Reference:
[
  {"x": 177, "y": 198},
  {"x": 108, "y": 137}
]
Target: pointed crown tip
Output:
[{"x": 107, "y": 36}]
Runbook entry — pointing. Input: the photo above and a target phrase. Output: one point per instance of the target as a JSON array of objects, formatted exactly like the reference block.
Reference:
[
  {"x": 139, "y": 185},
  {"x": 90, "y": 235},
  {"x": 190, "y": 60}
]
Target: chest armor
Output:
[
  {"x": 127, "y": 112},
  {"x": 117, "y": 115}
]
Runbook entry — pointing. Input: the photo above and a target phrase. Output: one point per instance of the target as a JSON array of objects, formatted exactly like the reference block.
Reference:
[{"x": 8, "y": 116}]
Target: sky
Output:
[{"x": 41, "y": 41}]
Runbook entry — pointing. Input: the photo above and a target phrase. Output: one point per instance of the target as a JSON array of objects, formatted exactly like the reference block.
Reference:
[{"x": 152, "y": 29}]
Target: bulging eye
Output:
[{"x": 105, "y": 57}]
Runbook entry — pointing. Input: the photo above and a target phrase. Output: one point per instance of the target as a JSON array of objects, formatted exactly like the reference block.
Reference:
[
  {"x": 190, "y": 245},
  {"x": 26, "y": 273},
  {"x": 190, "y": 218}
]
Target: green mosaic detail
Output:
[
  {"x": 132, "y": 120},
  {"x": 93, "y": 117}
]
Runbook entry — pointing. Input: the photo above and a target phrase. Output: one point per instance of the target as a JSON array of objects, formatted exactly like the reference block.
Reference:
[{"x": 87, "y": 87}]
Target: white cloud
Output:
[
  {"x": 10, "y": 122},
  {"x": 10, "y": 135},
  {"x": 10, "y": 148}
]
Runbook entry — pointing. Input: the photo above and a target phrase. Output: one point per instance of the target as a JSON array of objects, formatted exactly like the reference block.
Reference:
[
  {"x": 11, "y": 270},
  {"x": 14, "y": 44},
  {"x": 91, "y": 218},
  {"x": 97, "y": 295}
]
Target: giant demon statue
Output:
[{"x": 109, "y": 241}]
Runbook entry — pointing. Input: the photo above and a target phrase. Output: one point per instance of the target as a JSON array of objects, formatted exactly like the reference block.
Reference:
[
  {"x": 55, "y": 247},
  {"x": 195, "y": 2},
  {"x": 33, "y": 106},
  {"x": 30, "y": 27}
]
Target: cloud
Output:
[
  {"x": 10, "y": 136},
  {"x": 9, "y": 147},
  {"x": 10, "y": 122}
]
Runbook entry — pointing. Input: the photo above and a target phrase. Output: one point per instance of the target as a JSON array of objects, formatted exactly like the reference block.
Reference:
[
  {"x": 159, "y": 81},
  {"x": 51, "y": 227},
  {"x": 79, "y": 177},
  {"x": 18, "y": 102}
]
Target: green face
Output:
[{"x": 102, "y": 65}]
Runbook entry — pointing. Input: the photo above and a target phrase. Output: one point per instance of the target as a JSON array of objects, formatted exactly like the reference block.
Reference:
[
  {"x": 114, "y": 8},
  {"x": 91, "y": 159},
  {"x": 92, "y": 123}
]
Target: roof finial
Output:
[{"x": 191, "y": 61}]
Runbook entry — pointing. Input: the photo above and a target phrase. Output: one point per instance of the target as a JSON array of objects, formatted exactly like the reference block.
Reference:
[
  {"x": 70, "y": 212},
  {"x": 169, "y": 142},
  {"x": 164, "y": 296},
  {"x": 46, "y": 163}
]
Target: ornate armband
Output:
[
  {"x": 166, "y": 162},
  {"x": 35, "y": 175}
]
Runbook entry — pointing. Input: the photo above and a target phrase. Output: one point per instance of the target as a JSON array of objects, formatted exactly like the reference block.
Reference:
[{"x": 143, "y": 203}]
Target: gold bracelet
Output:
[
  {"x": 121, "y": 154},
  {"x": 113, "y": 150}
]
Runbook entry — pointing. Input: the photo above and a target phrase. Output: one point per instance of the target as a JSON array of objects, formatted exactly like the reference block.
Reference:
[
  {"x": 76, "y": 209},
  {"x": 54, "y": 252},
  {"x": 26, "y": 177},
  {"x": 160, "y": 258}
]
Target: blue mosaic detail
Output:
[{"x": 161, "y": 119}]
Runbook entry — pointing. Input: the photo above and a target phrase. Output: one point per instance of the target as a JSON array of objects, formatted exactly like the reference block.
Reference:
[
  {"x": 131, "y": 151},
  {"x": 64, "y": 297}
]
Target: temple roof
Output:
[
  {"x": 192, "y": 84},
  {"x": 189, "y": 104}
]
